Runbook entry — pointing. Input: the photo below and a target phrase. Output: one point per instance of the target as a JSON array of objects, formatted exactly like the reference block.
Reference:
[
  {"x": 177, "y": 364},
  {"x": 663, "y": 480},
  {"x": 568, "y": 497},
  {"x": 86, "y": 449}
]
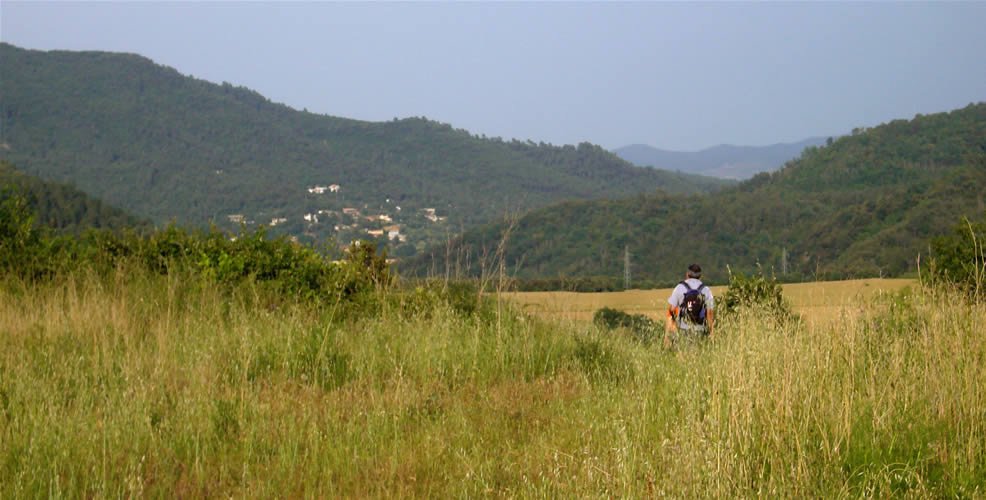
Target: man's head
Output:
[{"x": 694, "y": 271}]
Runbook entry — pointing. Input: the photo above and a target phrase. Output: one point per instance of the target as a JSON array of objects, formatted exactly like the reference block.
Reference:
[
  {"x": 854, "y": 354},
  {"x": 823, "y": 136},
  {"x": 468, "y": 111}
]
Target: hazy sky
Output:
[{"x": 676, "y": 76}]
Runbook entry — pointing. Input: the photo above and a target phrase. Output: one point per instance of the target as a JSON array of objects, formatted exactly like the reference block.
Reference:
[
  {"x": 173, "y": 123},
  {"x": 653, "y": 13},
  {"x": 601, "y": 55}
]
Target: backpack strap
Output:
[{"x": 686, "y": 286}]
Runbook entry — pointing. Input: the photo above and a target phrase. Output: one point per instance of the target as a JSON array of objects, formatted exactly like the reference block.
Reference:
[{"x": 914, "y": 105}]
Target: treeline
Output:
[
  {"x": 864, "y": 205},
  {"x": 62, "y": 207}
]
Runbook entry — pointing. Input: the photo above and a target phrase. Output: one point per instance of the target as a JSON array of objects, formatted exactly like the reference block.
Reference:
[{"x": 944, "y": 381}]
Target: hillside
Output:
[
  {"x": 168, "y": 146},
  {"x": 62, "y": 207},
  {"x": 724, "y": 161},
  {"x": 865, "y": 205}
]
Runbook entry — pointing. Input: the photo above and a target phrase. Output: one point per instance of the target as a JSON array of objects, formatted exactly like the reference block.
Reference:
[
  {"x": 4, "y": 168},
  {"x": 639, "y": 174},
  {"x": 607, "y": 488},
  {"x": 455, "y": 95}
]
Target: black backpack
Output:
[{"x": 693, "y": 305}]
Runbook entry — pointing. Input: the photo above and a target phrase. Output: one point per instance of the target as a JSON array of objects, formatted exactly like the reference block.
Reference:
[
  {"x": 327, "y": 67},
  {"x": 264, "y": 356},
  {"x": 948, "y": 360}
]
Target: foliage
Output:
[
  {"x": 214, "y": 256},
  {"x": 757, "y": 294},
  {"x": 63, "y": 208},
  {"x": 959, "y": 260},
  {"x": 279, "y": 265},
  {"x": 171, "y": 147},
  {"x": 863, "y": 206},
  {"x": 641, "y": 327},
  {"x": 18, "y": 239}
]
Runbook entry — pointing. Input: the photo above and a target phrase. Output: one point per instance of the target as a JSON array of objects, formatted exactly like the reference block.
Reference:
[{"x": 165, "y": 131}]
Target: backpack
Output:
[{"x": 693, "y": 305}]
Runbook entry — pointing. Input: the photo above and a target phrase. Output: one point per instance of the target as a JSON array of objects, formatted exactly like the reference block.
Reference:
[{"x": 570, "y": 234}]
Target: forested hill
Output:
[
  {"x": 864, "y": 205},
  {"x": 168, "y": 146},
  {"x": 62, "y": 207}
]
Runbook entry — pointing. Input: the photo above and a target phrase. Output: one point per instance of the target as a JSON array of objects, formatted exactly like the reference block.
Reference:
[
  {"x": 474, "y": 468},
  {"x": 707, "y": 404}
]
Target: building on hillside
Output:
[
  {"x": 236, "y": 218},
  {"x": 313, "y": 218},
  {"x": 379, "y": 218},
  {"x": 351, "y": 211},
  {"x": 334, "y": 188},
  {"x": 277, "y": 220},
  {"x": 376, "y": 233},
  {"x": 318, "y": 189},
  {"x": 394, "y": 233}
]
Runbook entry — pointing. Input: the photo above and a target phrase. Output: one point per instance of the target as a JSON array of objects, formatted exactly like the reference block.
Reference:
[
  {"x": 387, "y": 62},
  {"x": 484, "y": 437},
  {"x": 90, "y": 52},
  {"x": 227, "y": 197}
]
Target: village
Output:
[{"x": 404, "y": 231}]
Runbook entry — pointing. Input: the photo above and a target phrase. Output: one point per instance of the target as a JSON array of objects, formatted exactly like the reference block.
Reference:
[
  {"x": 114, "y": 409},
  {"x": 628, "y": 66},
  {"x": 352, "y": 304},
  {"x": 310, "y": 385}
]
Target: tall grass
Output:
[{"x": 140, "y": 384}]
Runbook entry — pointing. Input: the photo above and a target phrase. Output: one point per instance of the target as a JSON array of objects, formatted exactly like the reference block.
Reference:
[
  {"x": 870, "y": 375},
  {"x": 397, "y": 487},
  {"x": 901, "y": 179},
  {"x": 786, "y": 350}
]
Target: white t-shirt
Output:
[{"x": 678, "y": 296}]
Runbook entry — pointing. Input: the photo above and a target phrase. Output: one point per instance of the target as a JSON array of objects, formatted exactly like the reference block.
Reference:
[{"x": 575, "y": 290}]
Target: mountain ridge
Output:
[
  {"x": 171, "y": 147},
  {"x": 723, "y": 160},
  {"x": 864, "y": 205}
]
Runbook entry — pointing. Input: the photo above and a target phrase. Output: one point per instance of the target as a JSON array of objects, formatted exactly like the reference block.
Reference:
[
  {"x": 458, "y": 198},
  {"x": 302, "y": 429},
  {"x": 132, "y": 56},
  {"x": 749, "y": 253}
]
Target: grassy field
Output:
[
  {"x": 144, "y": 385},
  {"x": 817, "y": 302}
]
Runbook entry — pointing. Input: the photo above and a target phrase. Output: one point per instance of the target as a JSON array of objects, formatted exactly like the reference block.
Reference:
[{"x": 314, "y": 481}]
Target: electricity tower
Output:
[{"x": 626, "y": 267}]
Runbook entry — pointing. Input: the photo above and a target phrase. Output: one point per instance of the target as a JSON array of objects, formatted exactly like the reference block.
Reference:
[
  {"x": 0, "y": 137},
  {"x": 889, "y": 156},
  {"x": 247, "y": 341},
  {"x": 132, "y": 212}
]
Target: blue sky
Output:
[{"x": 675, "y": 76}]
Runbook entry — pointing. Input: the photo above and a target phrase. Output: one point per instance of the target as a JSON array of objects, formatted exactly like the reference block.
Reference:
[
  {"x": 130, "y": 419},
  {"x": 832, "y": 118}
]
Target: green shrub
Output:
[
  {"x": 19, "y": 241},
  {"x": 279, "y": 264},
  {"x": 640, "y": 327},
  {"x": 757, "y": 294},
  {"x": 423, "y": 297},
  {"x": 959, "y": 260}
]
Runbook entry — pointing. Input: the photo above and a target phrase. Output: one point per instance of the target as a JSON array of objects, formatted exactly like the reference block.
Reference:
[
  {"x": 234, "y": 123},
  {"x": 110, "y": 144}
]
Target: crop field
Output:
[{"x": 817, "y": 302}]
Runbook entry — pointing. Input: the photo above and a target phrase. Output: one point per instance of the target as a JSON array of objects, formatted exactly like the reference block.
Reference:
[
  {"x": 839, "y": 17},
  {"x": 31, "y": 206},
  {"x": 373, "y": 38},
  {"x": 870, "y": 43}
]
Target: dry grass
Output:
[{"x": 154, "y": 386}]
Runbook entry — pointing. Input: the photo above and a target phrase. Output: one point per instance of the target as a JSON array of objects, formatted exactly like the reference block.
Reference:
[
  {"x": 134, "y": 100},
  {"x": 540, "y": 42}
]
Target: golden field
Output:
[{"x": 821, "y": 301}]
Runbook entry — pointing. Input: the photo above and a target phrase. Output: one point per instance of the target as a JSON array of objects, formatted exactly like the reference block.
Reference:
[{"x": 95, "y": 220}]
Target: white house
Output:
[
  {"x": 278, "y": 220},
  {"x": 381, "y": 218},
  {"x": 318, "y": 189}
]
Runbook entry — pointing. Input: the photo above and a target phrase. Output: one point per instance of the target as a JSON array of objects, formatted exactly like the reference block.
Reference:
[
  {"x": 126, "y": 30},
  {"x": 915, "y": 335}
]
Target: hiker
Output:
[{"x": 690, "y": 307}]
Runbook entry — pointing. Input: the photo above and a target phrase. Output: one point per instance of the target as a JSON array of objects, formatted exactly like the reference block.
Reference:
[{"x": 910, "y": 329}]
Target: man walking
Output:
[{"x": 690, "y": 308}]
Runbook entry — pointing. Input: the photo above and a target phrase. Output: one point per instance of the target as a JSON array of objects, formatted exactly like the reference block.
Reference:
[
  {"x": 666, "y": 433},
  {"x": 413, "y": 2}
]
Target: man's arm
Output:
[
  {"x": 669, "y": 326},
  {"x": 710, "y": 319}
]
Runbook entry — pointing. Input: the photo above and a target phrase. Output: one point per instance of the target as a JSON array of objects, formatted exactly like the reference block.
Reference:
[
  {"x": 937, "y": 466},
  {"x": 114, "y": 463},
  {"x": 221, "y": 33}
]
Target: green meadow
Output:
[{"x": 134, "y": 383}]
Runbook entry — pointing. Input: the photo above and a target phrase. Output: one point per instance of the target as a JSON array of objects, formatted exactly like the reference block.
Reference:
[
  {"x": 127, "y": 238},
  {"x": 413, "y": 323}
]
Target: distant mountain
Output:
[
  {"x": 724, "y": 161},
  {"x": 61, "y": 206},
  {"x": 170, "y": 147},
  {"x": 865, "y": 205}
]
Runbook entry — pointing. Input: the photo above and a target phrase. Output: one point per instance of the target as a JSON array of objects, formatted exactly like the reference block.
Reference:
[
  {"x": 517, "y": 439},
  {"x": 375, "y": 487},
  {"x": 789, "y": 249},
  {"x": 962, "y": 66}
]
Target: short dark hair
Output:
[{"x": 695, "y": 271}]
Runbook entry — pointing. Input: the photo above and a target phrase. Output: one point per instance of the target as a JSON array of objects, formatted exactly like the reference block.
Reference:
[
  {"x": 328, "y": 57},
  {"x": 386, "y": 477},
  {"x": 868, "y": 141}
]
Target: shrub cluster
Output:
[
  {"x": 360, "y": 282},
  {"x": 958, "y": 260},
  {"x": 757, "y": 294},
  {"x": 640, "y": 327},
  {"x": 287, "y": 267}
]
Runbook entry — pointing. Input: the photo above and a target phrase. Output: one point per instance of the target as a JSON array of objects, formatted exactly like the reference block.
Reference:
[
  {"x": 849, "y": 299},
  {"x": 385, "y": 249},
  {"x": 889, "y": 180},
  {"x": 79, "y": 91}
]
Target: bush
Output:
[
  {"x": 757, "y": 294},
  {"x": 641, "y": 327},
  {"x": 959, "y": 260},
  {"x": 283, "y": 265},
  {"x": 19, "y": 241},
  {"x": 422, "y": 297}
]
